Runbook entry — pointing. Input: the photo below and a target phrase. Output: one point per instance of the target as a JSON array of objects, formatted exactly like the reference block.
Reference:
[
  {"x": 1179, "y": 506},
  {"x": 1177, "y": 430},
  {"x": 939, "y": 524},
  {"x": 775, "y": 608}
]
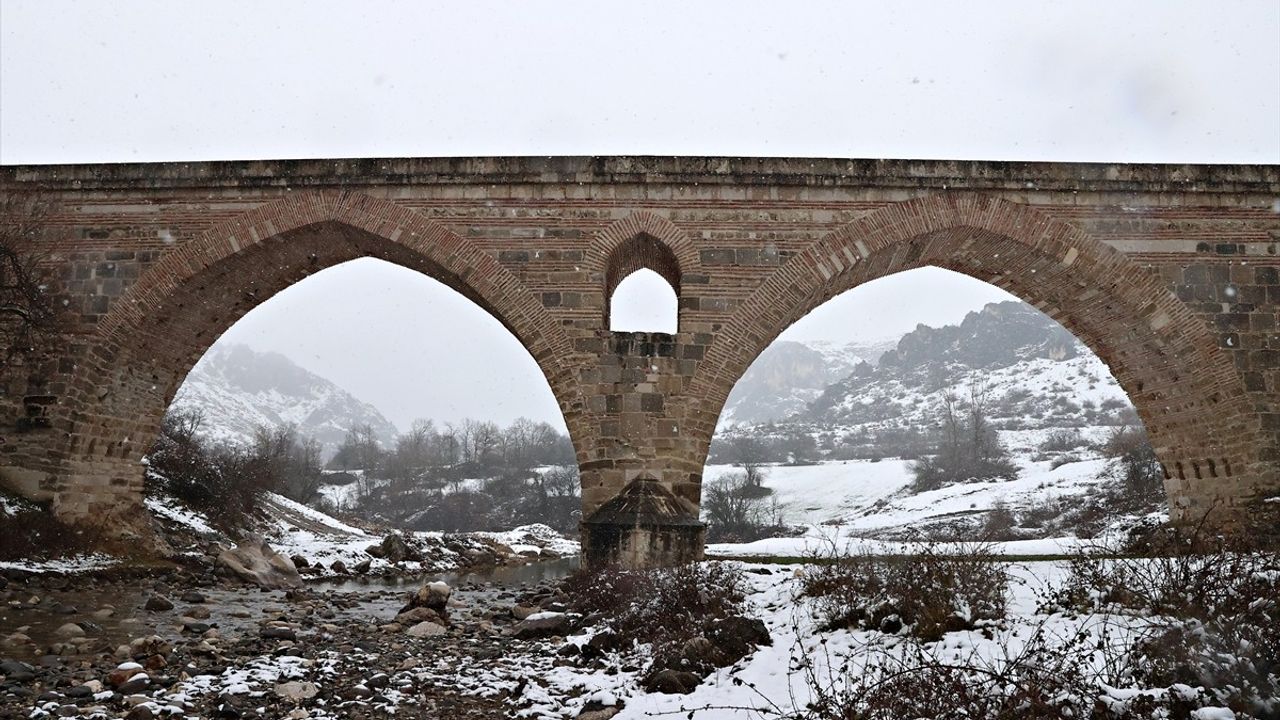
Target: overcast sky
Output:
[{"x": 1096, "y": 81}]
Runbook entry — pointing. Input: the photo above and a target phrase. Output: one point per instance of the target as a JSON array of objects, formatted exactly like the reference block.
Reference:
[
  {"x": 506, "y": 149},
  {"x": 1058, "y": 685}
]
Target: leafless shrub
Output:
[
  {"x": 1063, "y": 440},
  {"x": 1043, "y": 675},
  {"x": 969, "y": 447},
  {"x": 665, "y": 608},
  {"x": 226, "y": 481},
  {"x": 942, "y": 588},
  {"x": 738, "y": 508},
  {"x": 1061, "y": 460},
  {"x": 1211, "y": 605}
]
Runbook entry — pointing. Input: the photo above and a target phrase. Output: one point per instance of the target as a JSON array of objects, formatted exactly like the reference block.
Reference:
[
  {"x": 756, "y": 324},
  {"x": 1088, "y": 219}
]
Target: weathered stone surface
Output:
[
  {"x": 158, "y": 603},
  {"x": 543, "y": 624},
  {"x": 1171, "y": 273},
  {"x": 413, "y": 616},
  {"x": 433, "y": 595},
  {"x": 395, "y": 548},
  {"x": 297, "y": 690},
  {"x": 255, "y": 561},
  {"x": 674, "y": 682},
  {"x": 426, "y": 629}
]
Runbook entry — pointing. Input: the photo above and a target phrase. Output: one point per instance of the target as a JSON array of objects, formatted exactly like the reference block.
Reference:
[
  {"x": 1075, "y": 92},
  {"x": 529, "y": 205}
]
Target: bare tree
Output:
[
  {"x": 412, "y": 457},
  {"x": 30, "y": 315},
  {"x": 292, "y": 460},
  {"x": 478, "y": 440},
  {"x": 736, "y": 511},
  {"x": 968, "y": 447},
  {"x": 748, "y": 453},
  {"x": 360, "y": 450}
]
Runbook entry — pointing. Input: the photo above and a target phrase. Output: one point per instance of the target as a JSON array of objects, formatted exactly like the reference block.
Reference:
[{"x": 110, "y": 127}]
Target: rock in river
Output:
[{"x": 255, "y": 561}]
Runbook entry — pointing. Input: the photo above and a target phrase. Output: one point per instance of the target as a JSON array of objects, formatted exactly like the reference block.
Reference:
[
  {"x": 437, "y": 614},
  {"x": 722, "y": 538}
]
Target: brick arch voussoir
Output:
[
  {"x": 822, "y": 271},
  {"x": 643, "y": 222}
]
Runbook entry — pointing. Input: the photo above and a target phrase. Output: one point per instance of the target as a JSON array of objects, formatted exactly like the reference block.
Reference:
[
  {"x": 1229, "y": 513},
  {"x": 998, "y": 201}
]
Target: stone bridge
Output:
[{"x": 1171, "y": 274}]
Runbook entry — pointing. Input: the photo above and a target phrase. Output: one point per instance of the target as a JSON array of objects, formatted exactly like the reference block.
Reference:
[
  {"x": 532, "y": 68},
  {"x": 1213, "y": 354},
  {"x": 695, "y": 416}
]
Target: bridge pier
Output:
[{"x": 641, "y": 468}]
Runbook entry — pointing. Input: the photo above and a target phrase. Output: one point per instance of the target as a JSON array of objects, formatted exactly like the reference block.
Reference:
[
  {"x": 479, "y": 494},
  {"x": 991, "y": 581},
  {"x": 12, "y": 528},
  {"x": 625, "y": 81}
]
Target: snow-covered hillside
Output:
[
  {"x": 875, "y": 498},
  {"x": 1051, "y": 400},
  {"x": 238, "y": 389}
]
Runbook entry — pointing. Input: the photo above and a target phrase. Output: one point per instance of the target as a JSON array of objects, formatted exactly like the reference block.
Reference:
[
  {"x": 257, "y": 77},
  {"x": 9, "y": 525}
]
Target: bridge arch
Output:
[
  {"x": 1185, "y": 389},
  {"x": 157, "y": 330}
]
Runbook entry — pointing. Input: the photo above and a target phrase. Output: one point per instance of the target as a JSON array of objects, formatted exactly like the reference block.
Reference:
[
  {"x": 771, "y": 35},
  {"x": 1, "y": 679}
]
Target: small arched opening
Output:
[
  {"x": 644, "y": 302},
  {"x": 642, "y": 287}
]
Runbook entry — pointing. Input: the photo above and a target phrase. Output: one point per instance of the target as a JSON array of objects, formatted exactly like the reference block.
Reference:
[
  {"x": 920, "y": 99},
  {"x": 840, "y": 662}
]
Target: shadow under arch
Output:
[
  {"x": 165, "y": 322},
  {"x": 1187, "y": 392}
]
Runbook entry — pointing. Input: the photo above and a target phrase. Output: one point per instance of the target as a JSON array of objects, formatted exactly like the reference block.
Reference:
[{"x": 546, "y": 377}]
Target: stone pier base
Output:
[{"x": 645, "y": 526}]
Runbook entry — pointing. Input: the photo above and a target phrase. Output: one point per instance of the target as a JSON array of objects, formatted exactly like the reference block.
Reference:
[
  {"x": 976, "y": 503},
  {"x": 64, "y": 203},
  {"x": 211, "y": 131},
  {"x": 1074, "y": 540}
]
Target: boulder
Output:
[
  {"x": 158, "y": 603},
  {"x": 541, "y": 625},
  {"x": 149, "y": 645},
  {"x": 123, "y": 673},
  {"x": 737, "y": 637},
  {"x": 362, "y": 567},
  {"x": 255, "y": 561},
  {"x": 139, "y": 712},
  {"x": 69, "y": 630},
  {"x": 396, "y": 548},
  {"x": 273, "y": 632},
  {"x": 433, "y": 595},
  {"x": 674, "y": 682},
  {"x": 426, "y": 629},
  {"x": 413, "y": 616},
  {"x": 297, "y": 691}
]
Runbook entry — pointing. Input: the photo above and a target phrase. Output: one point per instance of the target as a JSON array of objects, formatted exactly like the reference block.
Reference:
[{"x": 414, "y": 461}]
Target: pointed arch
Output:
[
  {"x": 646, "y": 223},
  {"x": 162, "y": 324},
  {"x": 642, "y": 240},
  {"x": 1186, "y": 390}
]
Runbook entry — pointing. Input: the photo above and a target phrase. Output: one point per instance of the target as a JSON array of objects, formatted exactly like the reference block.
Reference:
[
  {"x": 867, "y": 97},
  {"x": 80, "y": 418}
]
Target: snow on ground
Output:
[
  {"x": 342, "y": 496},
  {"x": 74, "y": 564},
  {"x": 824, "y": 540},
  {"x": 528, "y": 539},
  {"x": 874, "y": 496},
  {"x": 548, "y": 689},
  {"x": 172, "y": 510},
  {"x": 827, "y": 491},
  {"x": 312, "y": 515}
]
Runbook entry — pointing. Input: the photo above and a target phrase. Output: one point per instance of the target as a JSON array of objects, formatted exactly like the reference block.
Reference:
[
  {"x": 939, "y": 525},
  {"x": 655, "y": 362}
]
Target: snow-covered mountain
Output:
[
  {"x": 238, "y": 389},
  {"x": 1032, "y": 372},
  {"x": 789, "y": 375}
]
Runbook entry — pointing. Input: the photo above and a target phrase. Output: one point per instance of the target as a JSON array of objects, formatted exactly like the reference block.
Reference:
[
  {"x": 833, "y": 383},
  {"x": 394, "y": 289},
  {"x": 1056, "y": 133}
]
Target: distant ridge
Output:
[{"x": 238, "y": 388}]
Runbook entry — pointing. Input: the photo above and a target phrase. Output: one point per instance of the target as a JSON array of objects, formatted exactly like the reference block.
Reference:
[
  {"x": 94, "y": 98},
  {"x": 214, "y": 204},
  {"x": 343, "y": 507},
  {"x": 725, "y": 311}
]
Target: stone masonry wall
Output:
[{"x": 1168, "y": 272}]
